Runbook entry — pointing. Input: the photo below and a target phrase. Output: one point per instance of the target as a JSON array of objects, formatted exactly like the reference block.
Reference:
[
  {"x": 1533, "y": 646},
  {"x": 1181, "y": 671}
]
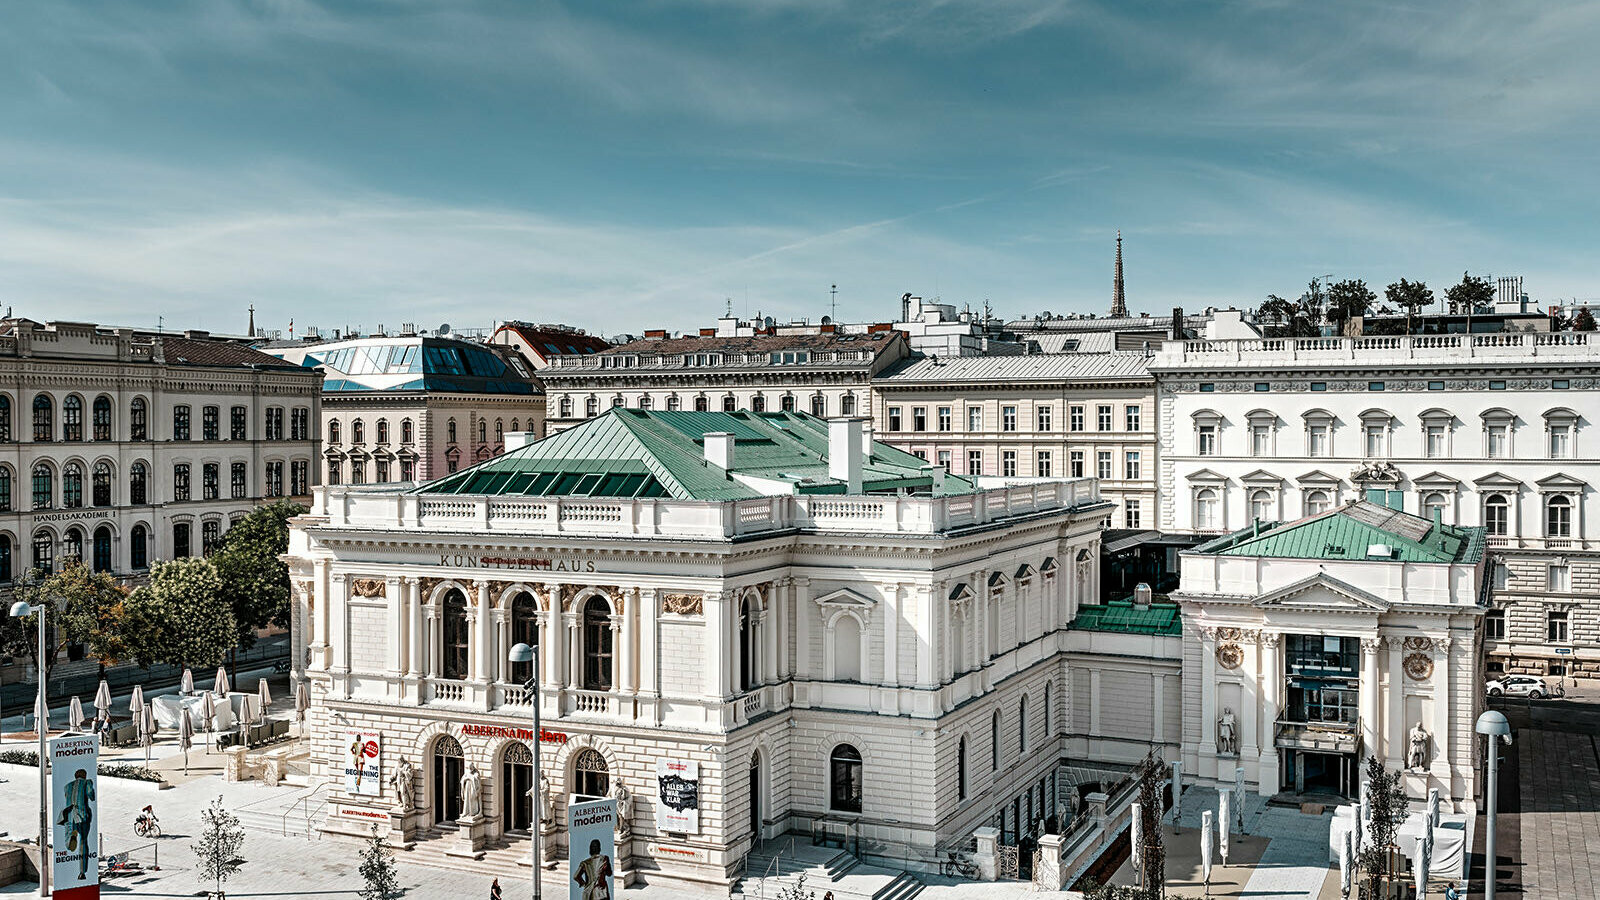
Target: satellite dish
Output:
[
  {"x": 445, "y": 328},
  {"x": 770, "y": 321},
  {"x": 827, "y": 320}
]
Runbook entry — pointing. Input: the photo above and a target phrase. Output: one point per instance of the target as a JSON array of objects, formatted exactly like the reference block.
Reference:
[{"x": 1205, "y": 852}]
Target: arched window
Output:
[
  {"x": 44, "y": 419},
  {"x": 847, "y": 405},
  {"x": 456, "y": 635},
  {"x": 72, "y": 418},
  {"x": 102, "y": 484},
  {"x": 994, "y": 741},
  {"x": 483, "y": 432},
  {"x": 1317, "y": 502},
  {"x": 747, "y": 647},
  {"x": 44, "y": 552},
  {"x": 383, "y": 431},
  {"x": 499, "y": 432},
  {"x": 758, "y": 403},
  {"x": 1261, "y": 506},
  {"x": 645, "y": 401},
  {"x": 564, "y": 407},
  {"x": 1433, "y": 506},
  {"x": 73, "y": 546},
  {"x": 847, "y": 649},
  {"x": 597, "y": 645},
  {"x": 102, "y": 549},
  {"x": 701, "y": 404},
  {"x": 44, "y": 487},
  {"x": 516, "y": 424},
  {"x": 450, "y": 431},
  {"x": 406, "y": 435},
  {"x": 844, "y": 779},
  {"x": 333, "y": 431},
  {"x": 961, "y": 769},
  {"x": 1047, "y": 732},
  {"x": 358, "y": 432},
  {"x": 5, "y": 489},
  {"x": 1205, "y": 509},
  {"x": 1022, "y": 725},
  {"x": 524, "y": 630},
  {"x": 138, "y": 420},
  {"x": 102, "y": 418},
  {"x": 1558, "y": 517},
  {"x": 5, "y": 558},
  {"x": 786, "y": 403},
  {"x": 5, "y": 418},
  {"x": 71, "y": 486},
  {"x": 729, "y": 403},
  {"x": 819, "y": 406},
  {"x": 139, "y": 548},
  {"x": 591, "y": 407},
  {"x": 137, "y": 484},
  {"x": 1497, "y": 514},
  {"x": 591, "y": 777},
  {"x": 673, "y": 403},
  {"x": 448, "y": 765}
]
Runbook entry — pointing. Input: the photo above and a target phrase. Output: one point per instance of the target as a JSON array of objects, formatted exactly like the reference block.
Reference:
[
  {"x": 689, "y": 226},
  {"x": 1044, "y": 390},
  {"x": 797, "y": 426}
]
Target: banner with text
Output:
[
  {"x": 678, "y": 795},
  {"x": 363, "y": 773},
  {"x": 74, "y": 828},
  {"x": 591, "y": 849}
]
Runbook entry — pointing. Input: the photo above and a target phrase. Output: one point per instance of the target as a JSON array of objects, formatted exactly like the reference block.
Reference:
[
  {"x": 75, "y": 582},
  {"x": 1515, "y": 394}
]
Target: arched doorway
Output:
[
  {"x": 755, "y": 796},
  {"x": 516, "y": 788},
  {"x": 447, "y": 763},
  {"x": 102, "y": 549}
]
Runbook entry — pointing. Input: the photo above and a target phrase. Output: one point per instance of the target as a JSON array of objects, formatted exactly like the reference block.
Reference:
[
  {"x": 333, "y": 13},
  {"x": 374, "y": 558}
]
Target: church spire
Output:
[
  {"x": 252, "y": 331},
  {"x": 1119, "y": 300}
]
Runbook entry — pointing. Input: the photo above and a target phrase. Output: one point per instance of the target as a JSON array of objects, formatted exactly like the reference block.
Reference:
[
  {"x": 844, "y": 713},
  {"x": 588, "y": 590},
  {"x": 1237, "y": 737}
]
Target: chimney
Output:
[
  {"x": 516, "y": 440},
  {"x": 866, "y": 439},
  {"x": 1141, "y": 595},
  {"x": 719, "y": 448},
  {"x": 1177, "y": 323},
  {"x": 846, "y": 446},
  {"x": 655, "y": 334}
]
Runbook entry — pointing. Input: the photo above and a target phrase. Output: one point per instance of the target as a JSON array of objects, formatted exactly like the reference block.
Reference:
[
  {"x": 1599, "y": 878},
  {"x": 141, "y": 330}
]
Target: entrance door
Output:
[
  {"x": 446, "y": 780},
  {"x": 516, "y": 789},
  {"x": 755, "y": 796}
]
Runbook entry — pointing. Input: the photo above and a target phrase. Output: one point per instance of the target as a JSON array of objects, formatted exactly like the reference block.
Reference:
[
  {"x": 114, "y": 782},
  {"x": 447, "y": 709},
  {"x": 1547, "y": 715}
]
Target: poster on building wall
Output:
[
  {"x": 363, "y": 774},
  {"x": 591, "y": 849},
  {"x": 678, "y": 795},
  {"x": 74, "y": 826}
]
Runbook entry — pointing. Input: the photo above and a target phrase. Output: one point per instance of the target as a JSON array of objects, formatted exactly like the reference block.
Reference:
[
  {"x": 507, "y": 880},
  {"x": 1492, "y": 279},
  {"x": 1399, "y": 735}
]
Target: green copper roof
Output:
[
  {"x": 1347, "y": 533},
  {"x": 1123, "y": 617},
  {"x": 647, "y": 453}
]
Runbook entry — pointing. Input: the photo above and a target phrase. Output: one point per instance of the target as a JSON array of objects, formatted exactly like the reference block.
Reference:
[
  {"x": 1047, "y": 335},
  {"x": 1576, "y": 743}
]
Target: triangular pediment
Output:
[
  {"x": 1207, "y": 475},
  {"x": 1497, "y": 480},
  {"x": 1322, "y": 593},
  {"x": 847, "y": 599},
  {"x": 1436, "y": 479},
  {"x": 1317, "y": 476},
  {"x": 1261, "y": 476},
  {"x": 1561, "y": 481}
]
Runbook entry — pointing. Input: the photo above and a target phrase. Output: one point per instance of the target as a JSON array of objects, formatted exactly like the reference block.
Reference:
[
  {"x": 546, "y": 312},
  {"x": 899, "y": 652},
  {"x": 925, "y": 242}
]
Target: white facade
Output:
[
  {"x": 121, "y": 448},
  {"x": 766, "y": 640},
  {"x": 1487, "y": 429}
]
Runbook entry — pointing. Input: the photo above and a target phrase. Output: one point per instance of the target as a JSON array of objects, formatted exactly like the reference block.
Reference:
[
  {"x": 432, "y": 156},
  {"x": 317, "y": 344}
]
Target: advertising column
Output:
[
  {"x": 591, "y": 849},
  {"x": 74, "y": 831}
]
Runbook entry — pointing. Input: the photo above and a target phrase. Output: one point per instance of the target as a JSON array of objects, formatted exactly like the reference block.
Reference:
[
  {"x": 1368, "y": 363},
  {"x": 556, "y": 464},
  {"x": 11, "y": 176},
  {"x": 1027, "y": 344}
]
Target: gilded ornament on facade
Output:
[
  {"x": 682, "y": 604},
  {"x": 1419, "y": 666},
  {"x": 367, "y": 587},
  {"x": 1230, "y": 656}
]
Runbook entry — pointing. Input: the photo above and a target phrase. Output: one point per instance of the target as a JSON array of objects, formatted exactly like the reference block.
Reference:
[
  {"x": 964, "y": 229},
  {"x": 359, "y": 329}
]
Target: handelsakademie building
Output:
[{"x": 766, "y": 619}]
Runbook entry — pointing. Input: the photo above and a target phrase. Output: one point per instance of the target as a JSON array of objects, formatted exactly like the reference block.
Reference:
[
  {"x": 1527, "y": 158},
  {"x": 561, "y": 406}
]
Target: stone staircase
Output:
[
  {"x": 502, "y": 859},
  {"x": 288, "y": 812},
  {"x": 780, "y": 864}
]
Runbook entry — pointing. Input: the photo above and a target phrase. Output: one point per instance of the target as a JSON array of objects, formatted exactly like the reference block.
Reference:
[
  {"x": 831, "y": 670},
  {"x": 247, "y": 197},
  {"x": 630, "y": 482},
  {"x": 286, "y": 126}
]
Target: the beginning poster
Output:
[{"x": 74, "y": 826}]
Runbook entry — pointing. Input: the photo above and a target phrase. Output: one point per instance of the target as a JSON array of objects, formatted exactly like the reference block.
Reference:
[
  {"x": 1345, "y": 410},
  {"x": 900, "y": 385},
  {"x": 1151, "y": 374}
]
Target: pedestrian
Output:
[
  {"x": 494, "y": 890},
  {"x": 828, "y": 896}
]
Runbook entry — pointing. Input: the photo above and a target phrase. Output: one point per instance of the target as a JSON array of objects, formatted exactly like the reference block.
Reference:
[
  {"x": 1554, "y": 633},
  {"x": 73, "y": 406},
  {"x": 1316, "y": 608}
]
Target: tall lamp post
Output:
[
  {"x": 21, "y": 610},
  {"x": 1492, "y": 724},
  {"x": 522, "y": 653}
]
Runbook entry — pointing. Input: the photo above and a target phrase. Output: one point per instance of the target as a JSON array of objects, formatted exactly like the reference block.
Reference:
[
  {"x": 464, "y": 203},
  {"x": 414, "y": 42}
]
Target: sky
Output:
[{"x": 648, "y": 164}]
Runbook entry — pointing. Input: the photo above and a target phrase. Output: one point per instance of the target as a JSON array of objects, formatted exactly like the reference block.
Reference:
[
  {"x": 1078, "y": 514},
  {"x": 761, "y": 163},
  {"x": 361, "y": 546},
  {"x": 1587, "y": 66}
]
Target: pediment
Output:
[
  {"x": 1561, "y": 481},
  {"x": 1436, "y": 480},
  {"x": 1208, "y": 476},
  {"x": 846, "y": 599},
  {"x": 1261, "y": 476},
  {"x": 1322, "y": 593},
  {"x": 1317, "y": 476},
  {"x": 1497, "y": 480}
]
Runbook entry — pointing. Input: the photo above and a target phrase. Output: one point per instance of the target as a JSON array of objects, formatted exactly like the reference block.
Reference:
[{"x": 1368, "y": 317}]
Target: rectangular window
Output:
[
  {"x": 1131, "y": 465},
  {"x": 1262, "y": 387},
  {"x": 1319, "y": 386},
  {"x": 1260, "y": 440},
  {"x": 300, "y": 471},
  {"x": 920, "y": 454},
  {"x": 180, "y": 482},
  {"x": 1208, "y": 387},
  {"x": 1558, "y": 579},
  {"x": 180, "y": 540},
  {"x": 237, "y": 482},
  {"x": 1008, "y": 418},
  {"x": 210, "y": 424},
  {"x": 1374, "y": 385},
  {"x": 1133, "y": 513},
  {"x": 1206, "y": 444},
  {"x": 210, "y": 478},
  {"x": 274, "y": 481},
  {"x": 943, "y": 459},
  {"x": 299, "y": 424},
  {"x": 274, "y": 424},
  {"x": 1497, "y": 385},
  {"x": 1494, "y": 625},
  {"x": 1046, "y": 417},
  {"x": 1102, "y": 464},
  {"x": 180, "y": 423},
  {"x": 1435, "y": 385},
  {"x": 1435, "y": 448},
  {"x": 1042, "y": 464},
  {"x": 236, "y": 423},
  {"x": 210, "y": 533},
  {"x": 1560, "y": 441},
  {"x": 1561, "y": 384},
  {"x": 1102, "y": 418},
  {"x": 944, "y": 418},
  {"x": 1008, "y": 463},
  {"x": 382, "y": 467},
  {"x": 974, "y": 462},
  {"x": 1075, "y": 418},
  {"x": 1374, "y": 440},
  {"x": 1317, "y": 440},
  {"x": 1075, "y": 464},
  {"x": 1556, "y": 626},
  {"x": 1132, "y": 416},
  {"x": 919, "y": 418},
  {"x": 974, "y": 418},
  {"x": 1500, "y": 576},
  {"x": 1497, "y": 441},
  {"x": 894, "y": 418}
]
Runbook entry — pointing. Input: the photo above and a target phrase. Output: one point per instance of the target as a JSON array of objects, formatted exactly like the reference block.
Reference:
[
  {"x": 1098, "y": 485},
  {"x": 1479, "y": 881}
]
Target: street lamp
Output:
[
  {"x": 522, "y": 653},
  {"x": 21, "y": 610},
  {"x": 1492, "y": 724}
]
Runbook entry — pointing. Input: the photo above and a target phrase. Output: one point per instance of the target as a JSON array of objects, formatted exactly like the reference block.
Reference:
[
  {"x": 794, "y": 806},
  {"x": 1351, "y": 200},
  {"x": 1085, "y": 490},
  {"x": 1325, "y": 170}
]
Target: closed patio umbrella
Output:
[
  {"x": 1223, "y": 821},
  {"x": 302, "y": 703},
  {"x": 1205, "y": 847},
  {"x": 220, "y": 686},
  {"x": 102, "y": 703},
  {"x": 136, "y": 703},
  {"x": 1136, "y": 836},
  {"x": 41, "y": 715},
  {"x": 266, "y": 696},
  {"x": 147, "y": 730},
  {"x": 1420, "y": 865},
  {"x": 247, "y": 717},
  {"x": 186, "y": 686},
  {"x": 208, "y": 712},
  {"x": 185, "y": 737},
  {"x": 75, "y": 714},
  {"x": 1346, "y": 865},
  {"x": 1238, "y": 796}
]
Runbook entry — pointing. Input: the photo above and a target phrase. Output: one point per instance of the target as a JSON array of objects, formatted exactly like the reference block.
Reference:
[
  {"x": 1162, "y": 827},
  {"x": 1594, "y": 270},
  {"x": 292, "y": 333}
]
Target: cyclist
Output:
[{"x": 146, "y": 822}]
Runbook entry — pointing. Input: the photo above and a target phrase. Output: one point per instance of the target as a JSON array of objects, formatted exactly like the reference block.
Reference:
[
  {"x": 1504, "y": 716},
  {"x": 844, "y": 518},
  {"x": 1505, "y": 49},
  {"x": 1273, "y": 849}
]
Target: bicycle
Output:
[
  {"x": 146, "y": 825},
  {"x": 958, "y": 866}
]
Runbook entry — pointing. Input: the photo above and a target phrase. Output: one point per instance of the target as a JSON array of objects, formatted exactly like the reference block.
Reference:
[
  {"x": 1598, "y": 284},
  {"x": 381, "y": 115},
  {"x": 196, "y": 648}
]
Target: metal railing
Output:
[
  {"x": 774, "y": 870},
  {"x": 303, "y": 804}
]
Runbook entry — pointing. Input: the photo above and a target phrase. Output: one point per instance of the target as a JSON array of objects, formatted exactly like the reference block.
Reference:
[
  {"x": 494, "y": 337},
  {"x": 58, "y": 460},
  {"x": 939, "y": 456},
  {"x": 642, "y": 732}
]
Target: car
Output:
[{"x": 1519, "y": 686}]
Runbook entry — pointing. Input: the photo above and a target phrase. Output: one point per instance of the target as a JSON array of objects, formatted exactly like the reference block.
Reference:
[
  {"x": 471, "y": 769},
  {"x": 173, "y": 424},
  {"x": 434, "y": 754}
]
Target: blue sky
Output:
[{"x": 623, "y": 165}]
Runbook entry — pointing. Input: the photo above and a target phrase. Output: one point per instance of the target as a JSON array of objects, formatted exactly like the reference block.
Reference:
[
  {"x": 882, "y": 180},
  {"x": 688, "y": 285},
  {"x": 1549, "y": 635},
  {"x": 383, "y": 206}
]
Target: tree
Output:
[
  {"x": 1386, "y": 809},
  {"x": 1348, "y": 299},
  {"x": 89, "y": 609},
  {"x": 255, "y": 582},
  {"x": 221, "y": 839},
  {"x": 180, "y": 618},
  {"x": 797, "y": 890},
  {"x": 1153, "y": 853},
  {"x": 1473, "y": 294},
  {"x": 1411, "y": 296},
  {"x": 380, "y": 880},
  {"x": 1309, "y": 310},
  {"x": 1583, "y": 321},
  {"x": 1277, "y": 311}
]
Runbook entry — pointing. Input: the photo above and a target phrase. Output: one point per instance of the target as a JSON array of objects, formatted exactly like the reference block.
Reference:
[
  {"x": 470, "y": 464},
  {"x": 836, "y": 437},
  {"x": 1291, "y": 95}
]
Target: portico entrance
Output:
[
  {"x": 516, "y": 788},
  {"x": 446, "y": 773},
  {"x": 1310, "y": 772}
]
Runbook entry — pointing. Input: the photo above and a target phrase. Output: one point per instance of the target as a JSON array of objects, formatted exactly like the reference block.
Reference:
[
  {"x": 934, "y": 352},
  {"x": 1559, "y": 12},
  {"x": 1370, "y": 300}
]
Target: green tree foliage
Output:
[
  {"x": 255, "y": 582},
  {"x": 1411, "y": 296},
  {"x": 217, "y": 851},
  {"x": 1386, "y": 804},
  {"x": 797, "y": 890},
  {"x": 1583, "y": 321},
  {"x": 180, "y": 618},
  {"x": 1348, "y": 299},
  {"x": 1473, "y": 294},
  {"x": 380, "y": 880},
  {"x": 89, "y": 609},
  {"x": 1277, "y": 314}
]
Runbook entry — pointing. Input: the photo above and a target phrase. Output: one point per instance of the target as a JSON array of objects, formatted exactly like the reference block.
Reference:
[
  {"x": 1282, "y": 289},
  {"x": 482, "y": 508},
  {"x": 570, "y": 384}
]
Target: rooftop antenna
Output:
[
  {"x": 833, "y": 302},
  {"x": 728, "y": 313}
]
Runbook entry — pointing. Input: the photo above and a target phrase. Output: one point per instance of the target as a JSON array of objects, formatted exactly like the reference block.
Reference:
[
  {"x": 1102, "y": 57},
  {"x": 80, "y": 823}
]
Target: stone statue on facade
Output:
[
  {"x": 624, "y": 807},
  {"x": 1227, "y": 738},
  {"x": 546, "y": 800},
  {"x": 1418, "y": 757},
  {"x": 404, "y": 780},
  {"x": 471, "y": 794}
]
